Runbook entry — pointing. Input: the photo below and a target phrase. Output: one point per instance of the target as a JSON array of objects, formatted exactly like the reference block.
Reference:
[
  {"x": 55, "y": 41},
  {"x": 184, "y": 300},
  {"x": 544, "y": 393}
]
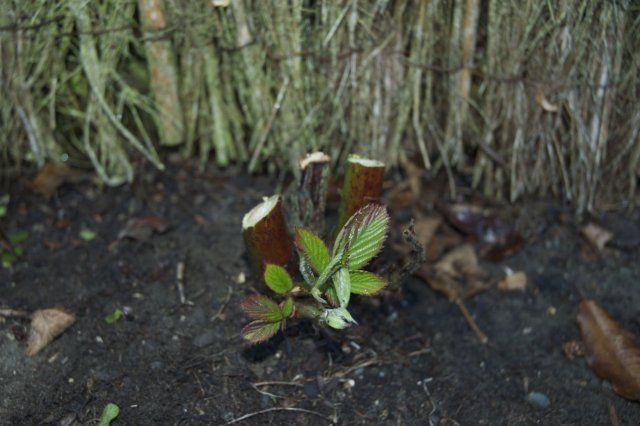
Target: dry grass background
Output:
[{"x": 523, "y": 96}]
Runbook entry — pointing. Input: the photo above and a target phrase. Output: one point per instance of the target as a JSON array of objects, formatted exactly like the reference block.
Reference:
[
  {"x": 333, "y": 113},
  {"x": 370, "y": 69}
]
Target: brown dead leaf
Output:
[
  {"x": 611, "y": 351},
  {"x": 53, "y": 175},
  {"x": 408, "y": 191},
  {"x": 497, "y": 238},
  {"x": 457, "y": 275},
  {"x": 513, "y": 281},
  {"x": 597, "y": 235},
  {"x": 46, "y": 325},
  {"x": 425, "y": 228},
  {"x": 573, "y": 349},
  {"x": 143, "y": 227}
]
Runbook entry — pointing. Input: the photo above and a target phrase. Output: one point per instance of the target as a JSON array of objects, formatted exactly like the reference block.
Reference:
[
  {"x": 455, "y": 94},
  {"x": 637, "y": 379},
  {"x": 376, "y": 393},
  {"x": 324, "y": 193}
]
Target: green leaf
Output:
[
  {"x": 316, "y": 293},
  {"x": 332, "y": 296},
  {"x": 342, "y": 285},
  {"x": 7, "y": 259},
  {"x": 114, "y": 316},
  {"x": 277, "y": 278},
  {"x": 364, "y": 282},
  {"x": 329, "y": 270},
  {"x": 4, "y": 201},
  {"x": 306, "y": 271},
  {"x": 287, "y": 307},
  {"x": 337, "y": 318},
  {"x": 363, "y": 234},
  {"x": 18, "y": 237},
  {"x": 109, "y": 414},
  {"x": 260, "y": 331},
  {"x": 313, "y": 248},
  {"x": 261, "y": 308},
  {"x": 87, "y": 234}
]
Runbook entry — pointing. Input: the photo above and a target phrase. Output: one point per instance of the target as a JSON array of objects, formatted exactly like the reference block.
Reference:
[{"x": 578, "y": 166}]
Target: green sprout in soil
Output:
[
  {"x": 4, "y": 202},
  {"x": 114, "y": 316},
  {"x": 109, "y": 414},
  {"x": 329, "y": 278},
  {"x": 87, "y": 234},
  {"x": 10, "y": 254}
]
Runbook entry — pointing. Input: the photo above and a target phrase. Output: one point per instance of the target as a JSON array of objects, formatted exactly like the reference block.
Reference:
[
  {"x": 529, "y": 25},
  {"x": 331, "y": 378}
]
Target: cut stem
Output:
[
  {"x": 362, "y": 185},
  {"x": 266, "y": 236},
  {"x": 307, "y": 199}
]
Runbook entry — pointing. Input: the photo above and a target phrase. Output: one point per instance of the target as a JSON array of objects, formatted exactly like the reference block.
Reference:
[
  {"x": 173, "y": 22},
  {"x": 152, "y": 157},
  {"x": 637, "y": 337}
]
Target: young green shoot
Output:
[{"x": 329, "y": 277}]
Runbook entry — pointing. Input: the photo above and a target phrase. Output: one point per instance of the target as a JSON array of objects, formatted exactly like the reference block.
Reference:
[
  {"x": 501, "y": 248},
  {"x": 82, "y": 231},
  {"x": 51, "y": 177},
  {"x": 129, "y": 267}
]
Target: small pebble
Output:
[
  {"x": 538, "y": 400},
  {"x": 205, "y": 339}
]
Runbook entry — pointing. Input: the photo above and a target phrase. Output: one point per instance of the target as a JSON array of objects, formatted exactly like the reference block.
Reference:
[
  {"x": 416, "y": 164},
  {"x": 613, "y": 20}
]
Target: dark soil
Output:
[{"x": 413, "y": 359}]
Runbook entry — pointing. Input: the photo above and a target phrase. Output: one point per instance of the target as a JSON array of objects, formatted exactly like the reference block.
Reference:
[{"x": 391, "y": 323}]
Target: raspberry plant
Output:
[{"x": 329, "y": 278}]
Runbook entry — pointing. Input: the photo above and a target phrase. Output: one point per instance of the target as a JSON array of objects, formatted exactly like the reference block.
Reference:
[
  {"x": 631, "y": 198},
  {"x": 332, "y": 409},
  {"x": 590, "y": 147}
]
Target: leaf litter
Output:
[
  {"x": 46, "y": 325},
  {"x": 611, "y": 351}
]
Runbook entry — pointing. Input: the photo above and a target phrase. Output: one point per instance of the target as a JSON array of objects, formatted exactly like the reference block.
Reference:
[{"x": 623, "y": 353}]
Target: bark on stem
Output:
[
  {"x": 266, "y": 236},
  {"x": 362, "y": 185},
  {"x": 307, "y": 199},
  {"x": 162, "y": 70}
]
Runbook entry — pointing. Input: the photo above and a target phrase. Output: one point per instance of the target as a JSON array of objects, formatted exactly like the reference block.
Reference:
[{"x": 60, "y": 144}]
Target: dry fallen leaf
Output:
[
  {"x": 408, "y": 191},
  {"x": 51, "y": 176},
  {"x": 425, "y": 228},
  {"x": 513, "y": 281},
  {"x": 611, "y": 351},
  {"x": 573, "y": 349},
  {"x": 143, "y": 227},
  {"x": 46, "y": 324},
  {"x": 457, "y": 274},
  {"x": 497, "y": 238},
  {"x": 597, "y": 235}
]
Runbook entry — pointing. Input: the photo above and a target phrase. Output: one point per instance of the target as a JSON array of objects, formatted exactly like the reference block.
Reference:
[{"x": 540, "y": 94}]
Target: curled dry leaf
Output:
[
  {"x": 53, "y": 175},
  {"x": 46, "y": 325},
  {"x": 457, "y": 275},
  {"x": 596, "y": 235},
  {"x": 425, "y": 228},
  {"x": 513, "y": 281},
  {"x": 497, "y": 238},
  {"x": 141, "y": 228},
  {"x": 610, "y": 350}
]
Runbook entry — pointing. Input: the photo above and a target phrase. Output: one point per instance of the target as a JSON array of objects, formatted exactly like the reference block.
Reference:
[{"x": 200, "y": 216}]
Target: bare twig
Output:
[
  {"x": 14, "y": 313},
  {"x": 472, "y": 323},
  {"x": 224, "y": 304},
  {"x": 180, "y": 284},
  {"x": 274, "y": 409}
]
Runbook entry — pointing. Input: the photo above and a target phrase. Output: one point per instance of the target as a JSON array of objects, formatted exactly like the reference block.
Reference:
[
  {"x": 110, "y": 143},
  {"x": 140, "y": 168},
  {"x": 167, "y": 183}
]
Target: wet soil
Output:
[{"x": 412, "y": 360}]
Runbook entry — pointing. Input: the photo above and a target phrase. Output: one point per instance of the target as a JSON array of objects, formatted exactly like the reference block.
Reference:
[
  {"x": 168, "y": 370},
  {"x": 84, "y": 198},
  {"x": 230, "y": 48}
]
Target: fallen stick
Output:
[
  {"x": 180, "y": 284},
  {"x": 14, "y": 313},
  {"x": 362, "y": 185},
  {"x": 272, "y": 409},
  {"x": 472, "y": 323},
  {"x": 266, "y": 236}
]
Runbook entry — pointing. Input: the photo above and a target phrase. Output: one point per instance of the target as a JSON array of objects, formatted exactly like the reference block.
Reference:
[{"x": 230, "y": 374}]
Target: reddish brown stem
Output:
[
  {"x": 266, "y": 236},
  {"x": 362, "y": 185},
  {"x": 307, "y": 198}
]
